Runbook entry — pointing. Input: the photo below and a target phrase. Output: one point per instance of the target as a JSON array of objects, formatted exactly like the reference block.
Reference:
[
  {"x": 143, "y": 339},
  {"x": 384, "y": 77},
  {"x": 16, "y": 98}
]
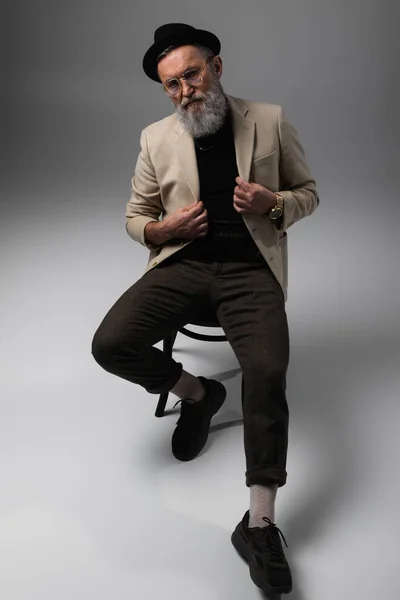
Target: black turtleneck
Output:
[{"x": 228, "y": 238}]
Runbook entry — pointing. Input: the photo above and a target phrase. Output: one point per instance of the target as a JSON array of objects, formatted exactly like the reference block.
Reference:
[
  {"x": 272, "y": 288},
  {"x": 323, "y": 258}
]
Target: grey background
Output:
[{"x": 88, "y": 479}]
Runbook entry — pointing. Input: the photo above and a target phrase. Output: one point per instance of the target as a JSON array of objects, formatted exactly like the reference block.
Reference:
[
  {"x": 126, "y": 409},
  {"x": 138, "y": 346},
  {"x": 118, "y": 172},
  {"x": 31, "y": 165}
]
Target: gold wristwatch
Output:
[{"x": 277, "y": 210}]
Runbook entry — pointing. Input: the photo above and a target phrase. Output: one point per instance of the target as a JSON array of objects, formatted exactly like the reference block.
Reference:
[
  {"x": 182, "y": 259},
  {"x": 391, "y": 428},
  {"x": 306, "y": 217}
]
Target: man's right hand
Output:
[{"x": 189, "y": 222}]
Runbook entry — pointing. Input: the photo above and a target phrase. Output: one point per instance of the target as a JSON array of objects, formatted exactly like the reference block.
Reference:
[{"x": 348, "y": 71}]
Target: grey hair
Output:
[{"x": 204, "y": 52}]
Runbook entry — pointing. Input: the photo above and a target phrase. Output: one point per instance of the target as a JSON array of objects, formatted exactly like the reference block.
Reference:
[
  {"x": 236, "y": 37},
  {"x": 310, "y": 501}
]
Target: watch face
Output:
[{"x": 275, "y": 213}]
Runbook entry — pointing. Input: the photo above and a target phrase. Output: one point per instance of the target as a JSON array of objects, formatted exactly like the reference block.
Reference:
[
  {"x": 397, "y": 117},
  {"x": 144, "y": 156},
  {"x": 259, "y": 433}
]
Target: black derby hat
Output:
[{"x": 176, "y": 34}]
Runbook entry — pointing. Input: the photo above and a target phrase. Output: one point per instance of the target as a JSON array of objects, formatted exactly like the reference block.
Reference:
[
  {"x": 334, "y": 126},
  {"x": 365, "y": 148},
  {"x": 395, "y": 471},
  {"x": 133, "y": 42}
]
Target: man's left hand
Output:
[{"x": 252, "y": 198}]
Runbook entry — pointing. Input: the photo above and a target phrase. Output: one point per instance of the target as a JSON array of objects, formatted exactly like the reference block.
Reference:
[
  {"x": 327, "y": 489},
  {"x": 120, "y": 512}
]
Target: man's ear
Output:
[{"x": 218, "y": 66}]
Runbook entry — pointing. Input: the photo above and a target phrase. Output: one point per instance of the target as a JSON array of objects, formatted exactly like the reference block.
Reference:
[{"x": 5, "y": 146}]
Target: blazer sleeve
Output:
[
  {"x": 145, "y": 202},
  {"x": 298, "y": 187}
]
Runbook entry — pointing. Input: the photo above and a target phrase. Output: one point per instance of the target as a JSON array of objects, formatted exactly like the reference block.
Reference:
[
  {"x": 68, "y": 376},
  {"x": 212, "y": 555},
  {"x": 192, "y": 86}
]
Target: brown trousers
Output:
[{"x": 250, "y": 308}]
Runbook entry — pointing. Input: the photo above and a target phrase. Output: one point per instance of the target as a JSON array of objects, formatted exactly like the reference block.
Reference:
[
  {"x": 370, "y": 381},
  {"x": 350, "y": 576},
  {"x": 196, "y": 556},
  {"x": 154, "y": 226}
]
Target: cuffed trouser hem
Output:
[
  {"x": 170, "y": 383},
  {"x": 265, "y": 475}
]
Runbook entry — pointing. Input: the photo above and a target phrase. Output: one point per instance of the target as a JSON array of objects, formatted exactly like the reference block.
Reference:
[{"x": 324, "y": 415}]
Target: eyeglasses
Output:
[{"x": 193, "y": 77}]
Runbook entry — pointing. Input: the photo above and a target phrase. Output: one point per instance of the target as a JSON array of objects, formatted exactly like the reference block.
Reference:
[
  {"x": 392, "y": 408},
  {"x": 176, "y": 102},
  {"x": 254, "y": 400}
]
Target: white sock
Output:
[
  {"x": 189, "y": 386},
  {"x": 262, "y": 504}
]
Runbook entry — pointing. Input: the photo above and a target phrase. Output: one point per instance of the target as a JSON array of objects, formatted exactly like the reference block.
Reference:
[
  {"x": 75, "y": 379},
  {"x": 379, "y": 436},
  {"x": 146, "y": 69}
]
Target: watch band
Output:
[{"x": 277, "y": 210}]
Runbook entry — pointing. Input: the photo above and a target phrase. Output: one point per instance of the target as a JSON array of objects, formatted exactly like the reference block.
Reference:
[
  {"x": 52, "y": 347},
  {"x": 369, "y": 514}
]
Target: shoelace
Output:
[
  {"x": 189, "y": 401},
  {"x": 184, "y": 407},
  {"x": 267, "y": 540}
]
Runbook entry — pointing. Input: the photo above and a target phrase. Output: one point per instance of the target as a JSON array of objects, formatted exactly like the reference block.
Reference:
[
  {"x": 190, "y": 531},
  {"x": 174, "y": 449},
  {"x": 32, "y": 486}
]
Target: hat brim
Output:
[{"x": 198, "y": 36}]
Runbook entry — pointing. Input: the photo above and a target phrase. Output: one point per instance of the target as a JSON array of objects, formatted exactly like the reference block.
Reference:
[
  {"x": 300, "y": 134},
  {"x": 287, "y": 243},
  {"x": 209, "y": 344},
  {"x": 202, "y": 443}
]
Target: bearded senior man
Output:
[{"x": 228, "y": 177}]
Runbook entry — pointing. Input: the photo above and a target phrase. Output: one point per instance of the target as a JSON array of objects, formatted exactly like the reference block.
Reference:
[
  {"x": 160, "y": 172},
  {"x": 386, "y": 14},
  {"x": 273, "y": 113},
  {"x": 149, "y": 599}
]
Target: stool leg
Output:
[{"x": 168, "y": 344}]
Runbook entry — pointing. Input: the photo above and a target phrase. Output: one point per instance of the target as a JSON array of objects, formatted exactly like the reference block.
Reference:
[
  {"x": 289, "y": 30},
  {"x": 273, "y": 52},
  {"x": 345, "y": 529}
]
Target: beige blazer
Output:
[{"x": 268, "y": 151}]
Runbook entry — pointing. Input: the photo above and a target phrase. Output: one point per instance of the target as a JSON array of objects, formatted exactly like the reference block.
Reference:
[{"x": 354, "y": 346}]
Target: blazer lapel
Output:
[
  {"x": 243, "y": 131},
  {"x": 187, "y": 158}
]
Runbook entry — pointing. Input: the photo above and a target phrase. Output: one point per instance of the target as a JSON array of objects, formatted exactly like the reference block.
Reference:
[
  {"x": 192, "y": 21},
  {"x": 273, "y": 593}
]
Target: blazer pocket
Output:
[
  {"x": 264, "y": 170},
  {"x": 263, "y": 160}
]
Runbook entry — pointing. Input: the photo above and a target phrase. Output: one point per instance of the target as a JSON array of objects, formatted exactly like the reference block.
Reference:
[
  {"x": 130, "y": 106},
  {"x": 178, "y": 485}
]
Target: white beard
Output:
[{"x": 208, "y": 116}]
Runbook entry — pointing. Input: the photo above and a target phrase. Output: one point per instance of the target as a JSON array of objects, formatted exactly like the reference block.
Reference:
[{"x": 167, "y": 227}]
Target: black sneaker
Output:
[
  {"x": 261, "y": 547},
  {"x": 191, "y": 432}
]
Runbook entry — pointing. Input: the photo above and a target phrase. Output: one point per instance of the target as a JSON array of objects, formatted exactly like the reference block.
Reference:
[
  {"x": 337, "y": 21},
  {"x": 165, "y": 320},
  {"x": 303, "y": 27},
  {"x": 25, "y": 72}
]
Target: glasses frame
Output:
[{"x": 183, "y": 76}]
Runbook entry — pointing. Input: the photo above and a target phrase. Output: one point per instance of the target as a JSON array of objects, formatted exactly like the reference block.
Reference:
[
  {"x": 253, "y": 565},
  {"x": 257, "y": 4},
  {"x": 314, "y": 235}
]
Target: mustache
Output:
[{"x": 186, "y": 101}]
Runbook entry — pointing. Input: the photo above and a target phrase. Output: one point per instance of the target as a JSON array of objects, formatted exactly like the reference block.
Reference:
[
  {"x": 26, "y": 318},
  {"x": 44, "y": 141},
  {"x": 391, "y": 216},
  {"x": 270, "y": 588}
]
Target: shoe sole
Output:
[
  {"x": 242, "y": 547},
  {"x": 221, "y": 392}
]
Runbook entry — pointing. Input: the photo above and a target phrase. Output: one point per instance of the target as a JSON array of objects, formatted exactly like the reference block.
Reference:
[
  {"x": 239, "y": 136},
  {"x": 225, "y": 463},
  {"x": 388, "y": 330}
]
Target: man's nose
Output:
[{"x": 187, "y": 90}]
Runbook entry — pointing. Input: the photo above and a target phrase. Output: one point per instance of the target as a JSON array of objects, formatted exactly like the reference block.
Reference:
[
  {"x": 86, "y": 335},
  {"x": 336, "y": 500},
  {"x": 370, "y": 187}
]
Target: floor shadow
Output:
[{"x": 323, "y": 381}]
